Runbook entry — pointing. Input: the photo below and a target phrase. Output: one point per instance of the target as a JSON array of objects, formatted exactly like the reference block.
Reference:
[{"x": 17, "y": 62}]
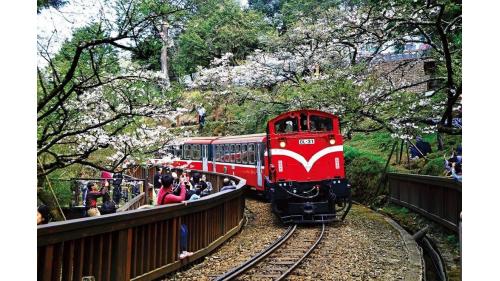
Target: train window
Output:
[
  {"x": 286, "y": 125},
  {"x": 237, "y": 153},
  {"x": 251, "y": 153},
  {"x": 244, "y": 154},
  {"x": 196, "y": 152},
  {"x": 187, "y": 151},
  {"x": 217, "y": 153},
  {"x": 320, "y": 124},
  {"x": 221, "y": 152},
  {"x": 178, "y": 151},
  {"x": 226, "y": 153},
  {"x": 303, "y": 122},
  {"x": 231, "y": 151}
]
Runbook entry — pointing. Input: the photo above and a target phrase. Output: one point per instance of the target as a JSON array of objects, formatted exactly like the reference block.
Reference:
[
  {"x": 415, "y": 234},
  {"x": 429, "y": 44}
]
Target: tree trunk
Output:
[
  {"x": 164, "y": 51},
  {"x": 440, "y": 141}
]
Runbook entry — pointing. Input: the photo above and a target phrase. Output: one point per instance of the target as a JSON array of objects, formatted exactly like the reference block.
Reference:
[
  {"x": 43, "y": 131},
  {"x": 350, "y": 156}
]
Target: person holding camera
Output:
[
  {"x": 92, "y": 196},
  {"x": 166, "y": 194}
]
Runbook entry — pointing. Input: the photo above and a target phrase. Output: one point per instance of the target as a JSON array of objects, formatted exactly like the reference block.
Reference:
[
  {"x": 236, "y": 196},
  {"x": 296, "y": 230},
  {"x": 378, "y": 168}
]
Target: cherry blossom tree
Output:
[
  {"x": 96, "y": 108},
  {"x": 330, "y": 62}
]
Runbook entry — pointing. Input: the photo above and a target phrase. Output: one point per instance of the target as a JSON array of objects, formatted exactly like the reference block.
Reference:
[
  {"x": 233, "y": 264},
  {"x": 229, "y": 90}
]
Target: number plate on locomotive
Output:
[{"x": 306, "y": 141}]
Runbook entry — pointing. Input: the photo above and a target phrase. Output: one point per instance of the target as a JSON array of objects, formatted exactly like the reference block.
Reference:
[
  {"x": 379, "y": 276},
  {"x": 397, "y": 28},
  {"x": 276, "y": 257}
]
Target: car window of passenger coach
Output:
[
  {"x": 231, "y": 153},
  {"x": 226, "y": 153},
  {"x": 320, "y": 124},
  {"x": 217, "y": 153},
  {"x": 237, "y": 153},
  {"x": 196, "y": 152},
  {"x": 187, "y": 151},
  {"x": 178, "y": 151},
  {"x": 286, "y": 125},
  {"x": 244, "y": 158},
  {"x": 251, "y": 153}
]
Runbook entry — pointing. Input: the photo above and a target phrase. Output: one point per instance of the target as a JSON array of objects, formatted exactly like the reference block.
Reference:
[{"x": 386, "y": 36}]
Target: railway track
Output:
[{"x": 280, "y": 258}]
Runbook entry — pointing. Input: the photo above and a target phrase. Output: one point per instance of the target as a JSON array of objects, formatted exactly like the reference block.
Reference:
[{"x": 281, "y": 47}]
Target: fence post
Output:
[
  {"x": 460, "y": 241},
  {"x": 146, "y": 188},
  {"x": 122, "y": 255}
]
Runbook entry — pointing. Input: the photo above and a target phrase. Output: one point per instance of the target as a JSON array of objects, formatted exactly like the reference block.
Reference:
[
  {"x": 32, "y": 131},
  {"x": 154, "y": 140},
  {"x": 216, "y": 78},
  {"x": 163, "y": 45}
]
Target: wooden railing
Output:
[
  {"x": 145, "y": 189},
  {"x": 438, "y": 198},
  {"x": 134, "y": 203},
  {"x": 139, "y": 244}
]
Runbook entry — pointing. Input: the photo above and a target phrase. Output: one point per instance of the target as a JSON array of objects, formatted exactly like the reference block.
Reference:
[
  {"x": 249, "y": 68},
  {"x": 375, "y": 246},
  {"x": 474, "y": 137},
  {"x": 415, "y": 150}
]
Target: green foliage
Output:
[
  {"x": 267, "y": 7},
  {"x": 350, "y": 153},
  {"x": 43, "y": 4},
  {"x": 404, "y": 211},
  {"x": 103, "y": 58},
  {"x": 62, "y": 187},
  {"x": 434, "y": 167},
  {"x": 63, "y": 191},
  {"x": 378, "y": 143},
  {"x": 296, "y": 10},
  {"x": 364, "y": 175},
  {"x": 218, "y": 28},
  {"x": 147, "y": 53}
]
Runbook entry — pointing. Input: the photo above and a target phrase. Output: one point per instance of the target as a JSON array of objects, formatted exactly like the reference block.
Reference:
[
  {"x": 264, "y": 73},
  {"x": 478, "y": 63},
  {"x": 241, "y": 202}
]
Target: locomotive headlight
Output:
[
  {"x": 282, "y": 144},
  {"x": 332, "y": 141}
]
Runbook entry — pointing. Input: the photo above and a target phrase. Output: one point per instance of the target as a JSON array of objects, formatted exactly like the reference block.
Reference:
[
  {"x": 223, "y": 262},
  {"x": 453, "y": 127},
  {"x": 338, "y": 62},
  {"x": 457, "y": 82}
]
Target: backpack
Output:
[{"x": 108, "y": 207}]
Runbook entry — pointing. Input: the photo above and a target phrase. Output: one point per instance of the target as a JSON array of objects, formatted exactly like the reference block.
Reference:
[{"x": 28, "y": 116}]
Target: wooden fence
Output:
[
  {"x": 134, "y": 203},
  {"x": 437, "y": 198},
  {"x": 139, "y": 244}
]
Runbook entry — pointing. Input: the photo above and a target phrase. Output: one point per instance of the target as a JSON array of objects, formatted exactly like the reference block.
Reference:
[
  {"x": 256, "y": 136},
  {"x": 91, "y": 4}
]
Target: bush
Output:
[
  {"x": 364, "y": 175},
  {"x": 350, "y": 153},
  {"x": 434, "y": 167},
  {"x": 63, "y": 191}
]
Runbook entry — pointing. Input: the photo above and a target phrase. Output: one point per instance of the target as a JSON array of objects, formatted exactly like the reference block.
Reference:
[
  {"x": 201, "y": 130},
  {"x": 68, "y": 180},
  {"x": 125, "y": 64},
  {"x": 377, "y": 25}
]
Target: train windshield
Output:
[
  {"x": 286, "y": 125},
  {"x": 320, "y": 124}
]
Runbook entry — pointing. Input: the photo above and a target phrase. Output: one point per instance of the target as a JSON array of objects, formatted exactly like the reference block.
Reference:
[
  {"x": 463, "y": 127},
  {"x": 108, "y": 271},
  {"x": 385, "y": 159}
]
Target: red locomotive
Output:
[{"x": 298, "y": 164}]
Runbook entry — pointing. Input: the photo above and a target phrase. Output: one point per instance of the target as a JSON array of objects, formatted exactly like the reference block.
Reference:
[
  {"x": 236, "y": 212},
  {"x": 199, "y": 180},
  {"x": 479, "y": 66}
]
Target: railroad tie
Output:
[
  {"x": 288, "y": 258},
  {"x": 283, "y": 262},
  {"x": 266, "y": 276},
  {"x": 274, "y": 268}
]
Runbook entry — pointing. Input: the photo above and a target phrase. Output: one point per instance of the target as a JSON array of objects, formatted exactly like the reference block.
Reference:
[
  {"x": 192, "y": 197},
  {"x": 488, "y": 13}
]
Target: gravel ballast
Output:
[{"x": 363, "y": 247}]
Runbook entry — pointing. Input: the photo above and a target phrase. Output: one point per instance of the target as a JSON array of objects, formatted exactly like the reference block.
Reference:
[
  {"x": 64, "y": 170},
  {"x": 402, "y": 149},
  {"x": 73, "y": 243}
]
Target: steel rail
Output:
[
  {"x": 305, "y": 255},
  {"x": 235, "y": 272}
]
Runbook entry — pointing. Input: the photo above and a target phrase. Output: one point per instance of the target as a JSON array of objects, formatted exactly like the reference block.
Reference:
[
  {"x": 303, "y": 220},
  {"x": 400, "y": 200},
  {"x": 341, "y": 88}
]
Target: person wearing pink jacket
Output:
[{"x": 166, "y": 196}]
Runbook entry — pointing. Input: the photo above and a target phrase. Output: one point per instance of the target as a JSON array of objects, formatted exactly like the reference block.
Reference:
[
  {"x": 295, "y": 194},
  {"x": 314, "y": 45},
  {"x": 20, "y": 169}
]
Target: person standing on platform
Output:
[
  {"x": 92, "y": 196},
  {"x": 166, "y": 196},
  {"x": 157, "y": 178},
  {"x": 201, "y": 116}
]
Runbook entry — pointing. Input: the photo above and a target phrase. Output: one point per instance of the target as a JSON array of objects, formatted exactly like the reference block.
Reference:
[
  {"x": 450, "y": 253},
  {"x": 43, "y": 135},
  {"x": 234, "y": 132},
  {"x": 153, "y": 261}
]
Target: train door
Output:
[
  {"x": 204, "y": 157},
  {"x": 258, "y": 158}
]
